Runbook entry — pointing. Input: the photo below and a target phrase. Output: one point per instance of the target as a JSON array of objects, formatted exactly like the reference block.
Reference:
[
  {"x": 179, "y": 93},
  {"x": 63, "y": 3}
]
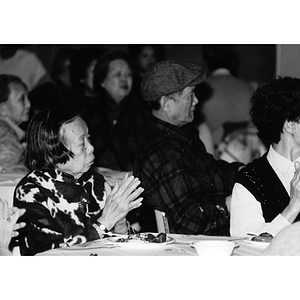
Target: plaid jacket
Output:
[
  {"x": 60, "y": 210},
  {"x": 183, "y": 180}
]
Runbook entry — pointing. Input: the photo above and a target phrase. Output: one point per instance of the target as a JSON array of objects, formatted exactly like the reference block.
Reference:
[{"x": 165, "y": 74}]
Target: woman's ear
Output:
[{"x": 290, "y": 127}]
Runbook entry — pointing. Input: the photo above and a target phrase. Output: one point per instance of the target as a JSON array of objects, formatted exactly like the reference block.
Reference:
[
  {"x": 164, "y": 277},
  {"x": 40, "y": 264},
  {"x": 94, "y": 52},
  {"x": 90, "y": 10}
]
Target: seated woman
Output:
[
  {"x": 66, "y": 201},
  {"x": 8, "y": 225},
  {"x": 14, "y": 110},
  {"x": 122, "y": 113},
  {"x": 266, "y": 195}
]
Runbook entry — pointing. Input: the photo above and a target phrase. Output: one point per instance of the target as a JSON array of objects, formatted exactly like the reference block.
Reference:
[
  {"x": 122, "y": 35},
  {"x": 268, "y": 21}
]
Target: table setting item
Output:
[
  {"x": 214, "y": 247},
  {"x": 188, "y": 239},
  {"x": 140, "y": 241},
  {"x": 89, "y": 246},
  {"x": 256, "y": 244}
]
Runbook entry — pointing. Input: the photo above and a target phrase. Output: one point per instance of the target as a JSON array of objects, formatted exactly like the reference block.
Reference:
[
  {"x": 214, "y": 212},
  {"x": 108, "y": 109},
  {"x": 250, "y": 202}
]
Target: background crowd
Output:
[{"x": 126, "y": 104}]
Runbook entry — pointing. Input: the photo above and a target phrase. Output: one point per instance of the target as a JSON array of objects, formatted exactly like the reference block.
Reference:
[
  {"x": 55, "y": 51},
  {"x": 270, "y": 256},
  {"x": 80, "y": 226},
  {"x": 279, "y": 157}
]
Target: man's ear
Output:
[{"x": 164, "y": 103}]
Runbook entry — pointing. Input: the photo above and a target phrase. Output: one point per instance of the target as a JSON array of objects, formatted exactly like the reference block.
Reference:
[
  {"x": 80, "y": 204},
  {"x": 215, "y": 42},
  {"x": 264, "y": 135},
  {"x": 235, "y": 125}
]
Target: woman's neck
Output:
[{"x": 287, "y": 148}]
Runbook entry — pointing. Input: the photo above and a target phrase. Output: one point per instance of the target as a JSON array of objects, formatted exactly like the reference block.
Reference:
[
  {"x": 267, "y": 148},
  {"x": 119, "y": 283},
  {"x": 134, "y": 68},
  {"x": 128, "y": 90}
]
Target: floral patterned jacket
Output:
[{"x": 60, "y": 210}]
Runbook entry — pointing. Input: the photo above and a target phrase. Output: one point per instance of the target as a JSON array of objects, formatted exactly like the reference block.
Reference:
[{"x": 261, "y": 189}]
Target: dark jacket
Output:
[{"x": 183, "y": 180}]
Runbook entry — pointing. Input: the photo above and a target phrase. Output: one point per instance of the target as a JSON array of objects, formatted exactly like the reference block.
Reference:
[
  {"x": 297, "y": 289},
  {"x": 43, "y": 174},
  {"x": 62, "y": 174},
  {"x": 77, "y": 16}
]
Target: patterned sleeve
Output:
[{"x": 50, "y": 222}]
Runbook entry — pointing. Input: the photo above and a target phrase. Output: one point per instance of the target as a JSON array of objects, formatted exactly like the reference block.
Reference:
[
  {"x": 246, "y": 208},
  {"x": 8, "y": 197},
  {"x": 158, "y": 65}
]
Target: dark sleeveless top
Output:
[{"x": 261, "y": 181}]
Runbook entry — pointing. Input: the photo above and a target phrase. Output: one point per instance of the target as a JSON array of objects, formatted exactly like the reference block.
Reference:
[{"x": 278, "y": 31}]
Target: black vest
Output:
[{"x": 260, "y": 179}]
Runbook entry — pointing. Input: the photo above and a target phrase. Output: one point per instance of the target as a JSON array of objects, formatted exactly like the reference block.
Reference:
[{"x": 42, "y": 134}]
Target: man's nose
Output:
[{"x": 195, "y": 100}]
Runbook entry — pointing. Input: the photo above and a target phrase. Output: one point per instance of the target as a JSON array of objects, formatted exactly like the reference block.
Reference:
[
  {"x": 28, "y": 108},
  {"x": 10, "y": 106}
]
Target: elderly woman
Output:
[
  {"x": 66, "y": 201},
  {"x": 123, "y": 113},
  {"x": 14, "y": 110},
  {"x": 266, "y": 195}
]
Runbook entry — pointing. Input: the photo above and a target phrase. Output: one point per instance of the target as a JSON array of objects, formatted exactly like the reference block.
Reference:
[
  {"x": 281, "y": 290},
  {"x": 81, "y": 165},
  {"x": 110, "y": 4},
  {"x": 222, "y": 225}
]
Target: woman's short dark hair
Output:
[
  {"x": 274, "y": 103},
  {"x": 5, "y": 81},
  {"x": 45, "y": 145},
  {"x": 102, "y": 66}
]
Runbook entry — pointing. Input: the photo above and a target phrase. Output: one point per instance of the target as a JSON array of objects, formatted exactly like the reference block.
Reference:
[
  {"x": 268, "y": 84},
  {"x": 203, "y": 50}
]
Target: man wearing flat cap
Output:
[{"x": 180, "y": 178}]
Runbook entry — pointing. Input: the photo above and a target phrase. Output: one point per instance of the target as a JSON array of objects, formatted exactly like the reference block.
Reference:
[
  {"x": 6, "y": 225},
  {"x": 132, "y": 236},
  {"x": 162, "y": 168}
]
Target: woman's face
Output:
[
  {"x": 76, "y": 139},
  {"x": 17, "y": 106},
  {"x": 88, "y": 80},
  {"x": 118, "y": 81},
  {"x": 146, "y": 58}
]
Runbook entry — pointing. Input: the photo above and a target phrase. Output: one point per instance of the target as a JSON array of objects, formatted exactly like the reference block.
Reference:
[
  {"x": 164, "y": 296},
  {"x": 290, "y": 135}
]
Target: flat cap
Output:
[{"x": 166, "y": 77}]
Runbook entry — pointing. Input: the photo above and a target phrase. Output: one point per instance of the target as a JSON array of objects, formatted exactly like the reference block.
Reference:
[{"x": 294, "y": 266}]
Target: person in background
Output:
[
  {"x": 266, "y": 195},
  {"x": 57, "y": 92},
  {"x": 8, "y": 226},
  {"x": 230, "y": 97},
  {"x": 143, "y": 56},
  {"x": 240, "y": 143},
  {"x": 14, "y": 110},
  {"x": 122, "y": 112},
  {"x": 180, "y": 178},
  {"x": 203, "y": 92},
  {"x": 66, "y": 201},
  {"x": 81, "y": 70},
  {"x": 22, "y": 63},
  {"x": 82, "y": 77}
]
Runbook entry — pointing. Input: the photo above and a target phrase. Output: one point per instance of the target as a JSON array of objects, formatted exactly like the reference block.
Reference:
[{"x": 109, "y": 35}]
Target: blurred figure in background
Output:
[
  {"x": 22, "y": 63},
  {"x": 240, "y": 143},
  {"x": 14, "y": 110},
  {"x": 143, "y": 56},
  {"x": 82, "y": 78},
  {"x": 81, "y": 70},
  {"x": 203, "y": 92},
  {"x": 230, "y": 97},
  {"x": 123, "y": 112},
  {"x": 58, "y": 91},
  {"x": 8, "y": 225}
]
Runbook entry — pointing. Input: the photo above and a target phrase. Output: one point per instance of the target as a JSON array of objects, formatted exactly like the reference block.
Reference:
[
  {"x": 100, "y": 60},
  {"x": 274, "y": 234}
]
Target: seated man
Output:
[{"x": 179, "y": 176}]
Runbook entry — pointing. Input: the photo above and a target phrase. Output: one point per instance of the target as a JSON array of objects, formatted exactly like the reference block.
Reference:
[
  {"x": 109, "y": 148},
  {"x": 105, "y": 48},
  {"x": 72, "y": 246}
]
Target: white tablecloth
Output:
[{"x": 181, "y": 247}]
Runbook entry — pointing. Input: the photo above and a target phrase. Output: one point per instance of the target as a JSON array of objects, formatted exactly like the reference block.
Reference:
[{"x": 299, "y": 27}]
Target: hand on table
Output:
[{"x": 120, "y": 200}]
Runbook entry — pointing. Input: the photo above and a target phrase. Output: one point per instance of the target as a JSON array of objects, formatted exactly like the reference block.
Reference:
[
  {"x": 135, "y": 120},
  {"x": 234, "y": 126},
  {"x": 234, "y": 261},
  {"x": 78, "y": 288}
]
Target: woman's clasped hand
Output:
[{"x": 120, "y": 200}]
